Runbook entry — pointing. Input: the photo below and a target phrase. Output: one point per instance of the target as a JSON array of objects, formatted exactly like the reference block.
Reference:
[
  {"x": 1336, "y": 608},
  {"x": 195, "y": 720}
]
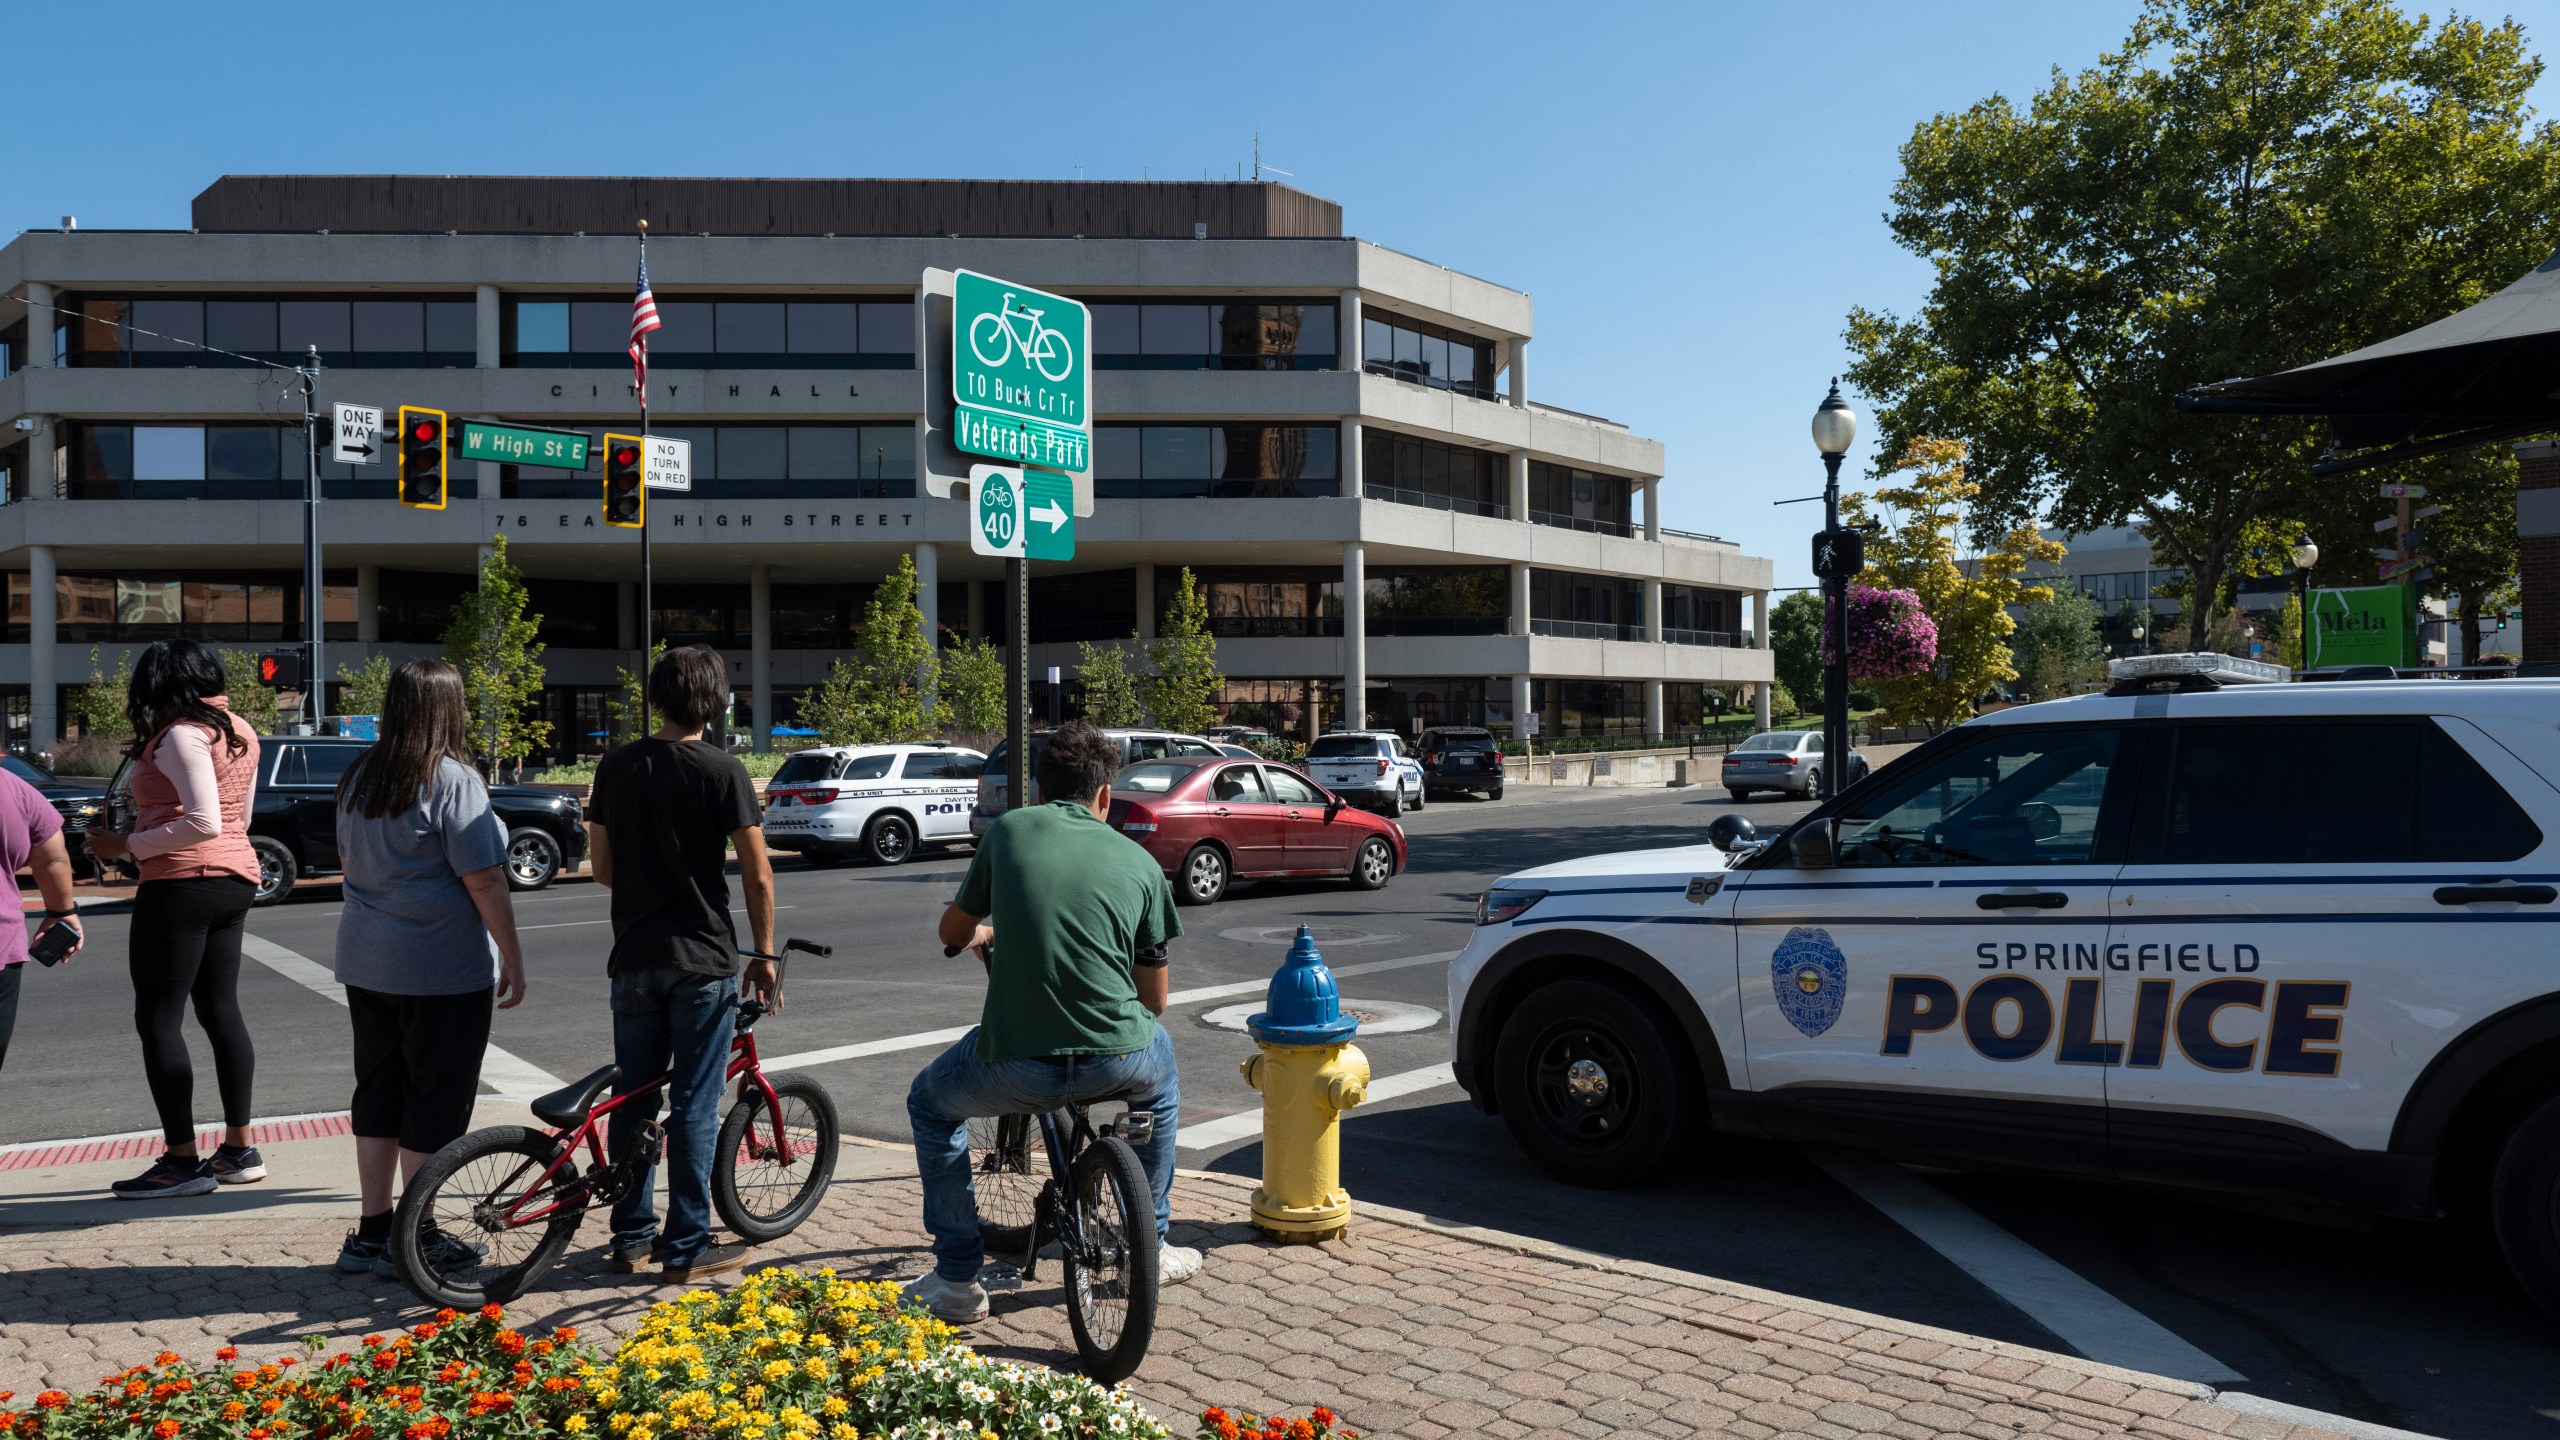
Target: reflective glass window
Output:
[
  {"x": 1178, "y": 452},
  {"x": 869, "y": 767},
  {"x": 749, "y": 452},
  {"x": 390, "y": 326},
  {"x": 1435, "y": 358},
  {"x": 1315, "y": 330},
  {"x": 243, "y": 452},
  {"x": 1377, "y": 341},
  {"x": 888, "y": 327},
  {"x": 599, "y": 327},
  {"x": 889, "y": 452},
  {"x": 685, "y": 328},
  {"x": 751, "y": 327},
  {"x": 1462, "y": 365},
  {"x": 158, "y": 602},
  {"x": 453, "y": 327},
  {"x": 248, "y": 326},
  {"x": 542, "y": 327},
  {"x": 1115, "y": 452},
  {"x": 1176, "y": 330},
  {"x": 1408, "y": 352},
  {"x": 706, "y": 449},
  {"x": 821, "y": 327},
  {"x": 168, "y": 452},
  {"x": 825, "y": 452},
  {"x": 105, "y": 452},
  {"x": 2024, "y": 796},
  {"x": 1115, "y": 329},
  {"x": 167, "y": 324}
]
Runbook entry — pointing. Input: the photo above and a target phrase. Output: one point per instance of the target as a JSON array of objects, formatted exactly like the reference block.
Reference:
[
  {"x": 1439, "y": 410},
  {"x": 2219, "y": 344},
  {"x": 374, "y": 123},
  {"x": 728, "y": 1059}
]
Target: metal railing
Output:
[
  {"x": 1585, "y": 630},
  {"x": 1725, "y": 639},
  {"x": 1569, "y": 522}
]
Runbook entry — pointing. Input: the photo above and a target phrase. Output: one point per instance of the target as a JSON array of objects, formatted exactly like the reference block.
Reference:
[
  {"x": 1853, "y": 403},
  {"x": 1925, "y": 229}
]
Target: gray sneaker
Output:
[{"x": 954, "y": 1302}]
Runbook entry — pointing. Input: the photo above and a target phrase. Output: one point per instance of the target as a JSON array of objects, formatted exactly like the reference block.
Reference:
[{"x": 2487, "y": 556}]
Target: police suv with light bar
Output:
[{"x": 2200, "y": 930}]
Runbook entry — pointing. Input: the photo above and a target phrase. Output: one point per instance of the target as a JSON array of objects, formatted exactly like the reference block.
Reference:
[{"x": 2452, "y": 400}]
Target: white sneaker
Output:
[
  {"x": 1176, "y": 1263},
  {"x": 954, "y": 1302}
]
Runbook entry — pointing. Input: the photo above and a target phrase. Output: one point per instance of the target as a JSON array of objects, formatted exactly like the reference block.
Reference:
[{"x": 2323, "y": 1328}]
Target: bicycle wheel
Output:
[
  {"x": 1002, "y": 335},
  {"x": 1002, "y": 1154},
  {"x": 455, "y": 1237},
  {"x": 764, "y": 1189},
  {"x": 1111, "y": 1261},
  {"x": 1052, "y": 346}
]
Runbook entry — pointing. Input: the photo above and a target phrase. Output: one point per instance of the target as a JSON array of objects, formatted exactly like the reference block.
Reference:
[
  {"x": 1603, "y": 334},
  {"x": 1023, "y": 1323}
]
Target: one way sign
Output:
[{"x": 358, "y": 426}]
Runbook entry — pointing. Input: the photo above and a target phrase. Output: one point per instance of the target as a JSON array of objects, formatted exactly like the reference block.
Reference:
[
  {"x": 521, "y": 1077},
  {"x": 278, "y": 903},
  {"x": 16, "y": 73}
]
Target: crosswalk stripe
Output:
[
  {"x": 510, "y": 1075},
  {"x": 1210, "y": 1134}
]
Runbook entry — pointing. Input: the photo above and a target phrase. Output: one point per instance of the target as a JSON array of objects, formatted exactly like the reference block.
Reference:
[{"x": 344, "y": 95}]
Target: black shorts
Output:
[{"x": 417, "y": 1064}]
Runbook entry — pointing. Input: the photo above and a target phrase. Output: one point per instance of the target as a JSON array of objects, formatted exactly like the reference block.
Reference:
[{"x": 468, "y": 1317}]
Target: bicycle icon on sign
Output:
[{"x": 1017, "y": 325}]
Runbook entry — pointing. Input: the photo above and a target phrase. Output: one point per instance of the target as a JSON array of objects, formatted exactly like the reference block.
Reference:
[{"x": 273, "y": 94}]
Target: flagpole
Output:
[{"x": 647, "y": 605}]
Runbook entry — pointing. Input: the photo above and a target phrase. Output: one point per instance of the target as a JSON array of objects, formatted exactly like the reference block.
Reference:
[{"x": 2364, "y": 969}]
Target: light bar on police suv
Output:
[{"x": 2219, "y": 669}]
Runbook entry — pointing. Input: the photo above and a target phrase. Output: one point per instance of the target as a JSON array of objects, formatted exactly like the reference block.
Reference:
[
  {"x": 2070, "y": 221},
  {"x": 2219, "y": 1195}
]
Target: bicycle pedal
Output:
[
  {"x": 1136, "y": 1128},
  {"x": 999, "y": 1278}
]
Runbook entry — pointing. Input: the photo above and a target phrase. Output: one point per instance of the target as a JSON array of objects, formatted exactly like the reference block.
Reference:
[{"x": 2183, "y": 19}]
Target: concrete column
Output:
[
  {"x": 44, "y": 693},
  {"x": 1653, "y": 611},
  {"x": 1348, "y": 356},
  {"x": 1653, "y": 710},
  {"x": 40, "y": 318},
  {"x": 626, "y": 616},
  {"x": 1760, "y": 620},
  {"x": 929, "y": 600},
  {"x": 1146, "y": 587},
  {"x": 1520, "y": 372},
  {"x": 1760, "y": 705},
  {"x": 480, "y": 560},
  {"x": 1519, "y": 597},
  {"x": 1653, "y": 509},
  {"x": 1519, "y": 484},
  {"x": 369, "y": 603},
  {"x": 39, "y": 482},
  {"x": 1519, "y": 707},
  {"x": 1353, "y": 446},
  {"x": 487, "y": 328},
  {"x": 760, "y": 652},
  {"x": 977, "y": 614},
  {"x": 1355, "y": 635}
]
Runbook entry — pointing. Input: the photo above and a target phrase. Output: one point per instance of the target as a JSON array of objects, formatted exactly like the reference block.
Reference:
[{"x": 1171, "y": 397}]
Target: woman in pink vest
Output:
[{"x": 194, "y": 766}]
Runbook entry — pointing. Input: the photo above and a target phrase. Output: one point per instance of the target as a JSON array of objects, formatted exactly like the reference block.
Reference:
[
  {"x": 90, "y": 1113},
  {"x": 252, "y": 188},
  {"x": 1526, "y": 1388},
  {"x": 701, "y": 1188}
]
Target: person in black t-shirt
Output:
[{"x": 665, "y": 812}]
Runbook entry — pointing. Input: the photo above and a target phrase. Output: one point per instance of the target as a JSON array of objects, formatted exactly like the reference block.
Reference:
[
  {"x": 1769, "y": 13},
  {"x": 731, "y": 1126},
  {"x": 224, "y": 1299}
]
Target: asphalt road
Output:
[{"x": 2404, "y": 1325}]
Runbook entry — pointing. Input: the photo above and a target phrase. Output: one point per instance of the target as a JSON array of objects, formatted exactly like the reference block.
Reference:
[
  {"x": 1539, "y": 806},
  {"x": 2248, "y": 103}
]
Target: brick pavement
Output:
[{"x": 1407, "y": 1328}]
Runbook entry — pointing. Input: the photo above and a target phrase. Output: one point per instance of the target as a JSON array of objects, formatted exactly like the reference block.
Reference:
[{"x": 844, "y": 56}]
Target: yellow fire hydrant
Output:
[{"x": 1309, "y": 1072}]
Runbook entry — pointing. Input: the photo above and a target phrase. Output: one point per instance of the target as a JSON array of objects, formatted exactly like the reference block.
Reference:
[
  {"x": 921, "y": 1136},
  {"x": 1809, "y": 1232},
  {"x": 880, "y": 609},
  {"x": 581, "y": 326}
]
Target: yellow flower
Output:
[
  {"x": 835, "y": 1405},
  {"x": 777, "y": 1370},
  {"x": 619, "y": 1424},
  {"x": 575, "y": 1424},
  {"x": 845, "y": 1432},
  {"x": 815, "y": 1367}
]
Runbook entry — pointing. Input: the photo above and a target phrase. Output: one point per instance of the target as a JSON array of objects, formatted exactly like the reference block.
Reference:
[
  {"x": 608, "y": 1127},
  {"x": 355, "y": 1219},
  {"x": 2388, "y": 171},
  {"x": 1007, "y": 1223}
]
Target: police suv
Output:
[
  {"x": 2291, "y": 938},
  {"x": 880, "y": 802}
]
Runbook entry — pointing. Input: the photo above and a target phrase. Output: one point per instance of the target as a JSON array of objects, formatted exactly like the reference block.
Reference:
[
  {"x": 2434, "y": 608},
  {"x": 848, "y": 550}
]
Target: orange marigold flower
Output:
[
  {"x": 285, "y": 1362},
  {"x": 447, "y": 1315},
  {"x": 51, "y": 1399},
  {"x": 1326, "y": 1417},
  {"x": 227, "y": 1352},
  {"x": 1230, "y": 1430},
  {"x": 270, "y": 1406},
  {"x": 165, "y": 1357},
  {"x": 1302, "y": 1430},
  {"x": 424, "y": 1332},
  {"x": 508, "y": 1342},
  {"x": 233, "y": 1410},
  {"x": 493, "y": 1311},
  {"x": 386, "y": 1359},
  {"x": 566, "y": 1334},
  {"x": 257, "y": 1434},
  {"x": 541, "y": 1347},
  {"x": 451, "y": 1372},
  {"x": 166, "y": 1430},
  {"x": 370, "y": 1341}
]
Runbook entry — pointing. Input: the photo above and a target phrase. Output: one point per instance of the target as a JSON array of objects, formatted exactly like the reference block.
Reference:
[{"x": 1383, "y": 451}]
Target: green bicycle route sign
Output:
[
  {"x": 1021, "y": 374},
  {"x": 1019, "y": 514}
]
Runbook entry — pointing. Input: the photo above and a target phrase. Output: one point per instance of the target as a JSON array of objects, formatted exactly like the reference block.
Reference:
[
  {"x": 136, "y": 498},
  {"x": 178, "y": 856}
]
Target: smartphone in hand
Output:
[{"x": 54, "y": 945}]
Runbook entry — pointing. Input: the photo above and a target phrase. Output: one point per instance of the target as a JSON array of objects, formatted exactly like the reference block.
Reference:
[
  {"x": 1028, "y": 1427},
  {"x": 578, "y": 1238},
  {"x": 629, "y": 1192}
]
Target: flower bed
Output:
[{"x": 785, "y": 1356}]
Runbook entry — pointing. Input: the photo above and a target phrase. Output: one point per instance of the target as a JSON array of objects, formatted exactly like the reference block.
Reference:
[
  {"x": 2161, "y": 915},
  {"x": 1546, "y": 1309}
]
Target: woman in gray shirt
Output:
[{"x": 426, "y": 945}]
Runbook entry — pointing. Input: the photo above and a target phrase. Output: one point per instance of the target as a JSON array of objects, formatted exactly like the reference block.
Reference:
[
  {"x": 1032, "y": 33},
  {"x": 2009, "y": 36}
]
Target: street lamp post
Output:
[
  {"x": 1838, "y": 555},
  {"x": 2305, "y": 555}
]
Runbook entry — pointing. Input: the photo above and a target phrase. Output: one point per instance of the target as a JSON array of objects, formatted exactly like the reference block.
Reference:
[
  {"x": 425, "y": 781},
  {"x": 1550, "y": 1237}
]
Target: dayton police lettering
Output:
[{"x": 1810, "y": 978}]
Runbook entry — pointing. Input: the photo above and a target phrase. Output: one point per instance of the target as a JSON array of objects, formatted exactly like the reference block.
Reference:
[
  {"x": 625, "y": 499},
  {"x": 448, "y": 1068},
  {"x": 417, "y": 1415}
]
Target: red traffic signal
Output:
[
  {"x": 424, "y": 431},
  {"x": 626, "y": 495},
  {"x": 422, "y": 458}
]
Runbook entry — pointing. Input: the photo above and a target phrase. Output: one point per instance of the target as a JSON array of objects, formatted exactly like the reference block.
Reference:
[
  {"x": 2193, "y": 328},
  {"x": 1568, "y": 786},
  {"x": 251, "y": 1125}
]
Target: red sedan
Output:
[{"x": 1212, "y": 822}]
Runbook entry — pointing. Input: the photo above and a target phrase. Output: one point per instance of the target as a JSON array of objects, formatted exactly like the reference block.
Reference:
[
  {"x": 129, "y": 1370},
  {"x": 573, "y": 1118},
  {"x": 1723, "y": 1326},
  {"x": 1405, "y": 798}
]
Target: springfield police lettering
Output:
[
  {"x": 2057, "y": 955},
  {"x": 2012, "y": 1017}
]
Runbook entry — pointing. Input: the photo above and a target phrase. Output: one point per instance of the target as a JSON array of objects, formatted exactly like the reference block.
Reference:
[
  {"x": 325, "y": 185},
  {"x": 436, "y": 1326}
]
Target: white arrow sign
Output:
[
  {"x": 1051, "y": 514},
  {"x": 357, "y": 428}
]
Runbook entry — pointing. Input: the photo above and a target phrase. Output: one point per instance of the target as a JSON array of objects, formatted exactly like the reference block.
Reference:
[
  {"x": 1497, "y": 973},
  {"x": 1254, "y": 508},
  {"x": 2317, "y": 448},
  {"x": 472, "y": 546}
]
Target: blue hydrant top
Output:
[{"x": 1304, "y": 1007}]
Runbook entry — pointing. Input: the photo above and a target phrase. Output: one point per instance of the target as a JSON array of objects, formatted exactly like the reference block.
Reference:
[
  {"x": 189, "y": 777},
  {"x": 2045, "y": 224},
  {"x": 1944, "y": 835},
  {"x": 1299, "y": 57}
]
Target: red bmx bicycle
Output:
[{"x": 496, "y": 1208}]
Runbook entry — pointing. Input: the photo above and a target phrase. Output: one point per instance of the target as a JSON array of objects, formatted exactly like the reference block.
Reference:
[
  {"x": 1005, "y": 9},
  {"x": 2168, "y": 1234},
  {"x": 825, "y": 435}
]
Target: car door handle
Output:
[
  {"x": 2513, "y": 894},
  {"x": 1220, "y": 812},
  {"x": 2013, "y": 900}
]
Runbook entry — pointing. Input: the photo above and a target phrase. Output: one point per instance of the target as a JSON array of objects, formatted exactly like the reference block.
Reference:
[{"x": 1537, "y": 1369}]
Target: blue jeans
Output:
[
  {"x": 958, "y": 1087},
  {"x": 669, "y": 1021}
]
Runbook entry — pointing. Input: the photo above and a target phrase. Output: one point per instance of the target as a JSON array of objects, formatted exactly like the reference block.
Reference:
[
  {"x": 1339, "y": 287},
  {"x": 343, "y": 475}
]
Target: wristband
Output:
[{"x": 70, "y": 914}]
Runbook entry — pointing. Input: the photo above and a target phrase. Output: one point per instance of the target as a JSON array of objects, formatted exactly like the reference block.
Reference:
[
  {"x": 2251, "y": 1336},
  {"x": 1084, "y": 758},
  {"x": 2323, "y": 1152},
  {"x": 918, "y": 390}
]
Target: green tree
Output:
[
  {"x": 2242, "y": 186},
  {"x": 627, "y": 714},
  {"x": 250, "y": 700},
  {"x": 1110, "y": 689},
  {"x": 971, "y": 700},
  {"x": 1183, "y": 691},
  {"x": 893, "y": 660},
  {"x": 1795, "y": 646},
  {"x": 491, "y": 641},
  {"x": 365, "y": 684},
  {"x": 836, "y": 708},
  {"x": 2289, "y": 634},
  {"x": 2056, "y": 648},
  {"x": 97, "y": 707}
]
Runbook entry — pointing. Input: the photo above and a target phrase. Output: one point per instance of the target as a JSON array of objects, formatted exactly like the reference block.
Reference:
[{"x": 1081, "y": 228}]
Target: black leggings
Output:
[{"x": 186, "y": 946}]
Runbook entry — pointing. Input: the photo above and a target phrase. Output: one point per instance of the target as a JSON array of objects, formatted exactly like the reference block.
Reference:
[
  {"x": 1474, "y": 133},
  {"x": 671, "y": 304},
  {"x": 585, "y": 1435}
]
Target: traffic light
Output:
[
  {"x": 422, "y": 455},
  {"x": 2502, "y": 619},
  {"x": 626, "y": 499},
  {"x": 280, "y": 671}
]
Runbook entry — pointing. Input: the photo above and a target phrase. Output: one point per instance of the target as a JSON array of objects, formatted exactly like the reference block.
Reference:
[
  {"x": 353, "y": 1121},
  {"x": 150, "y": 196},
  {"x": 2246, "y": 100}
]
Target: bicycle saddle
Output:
[{"x": 569, "y": 1104}]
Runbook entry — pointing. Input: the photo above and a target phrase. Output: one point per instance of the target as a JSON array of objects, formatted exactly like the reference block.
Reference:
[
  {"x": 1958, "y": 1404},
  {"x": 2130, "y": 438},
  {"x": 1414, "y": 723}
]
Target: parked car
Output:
[
  {"x": 293, "y": 817},
  {"x": 1234, "y": 751},
  {"x": 1135, "y": 745},
  {"x": 80, "y": 804},
  {"x": 880, "y": 802},
  {"x": 1211, "y": 822},
  {"x": 1372, "y": 768},
  {"x": 1460, "y": 757},
  {"x": 1786, "y": 761}
]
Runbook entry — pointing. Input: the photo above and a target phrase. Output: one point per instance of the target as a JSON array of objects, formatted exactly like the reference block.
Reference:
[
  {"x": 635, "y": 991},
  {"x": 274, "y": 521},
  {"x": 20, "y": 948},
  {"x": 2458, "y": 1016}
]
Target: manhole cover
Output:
[
  {"x": 1327, "y": 937},
  {"x": 1377, "y": 1017}
]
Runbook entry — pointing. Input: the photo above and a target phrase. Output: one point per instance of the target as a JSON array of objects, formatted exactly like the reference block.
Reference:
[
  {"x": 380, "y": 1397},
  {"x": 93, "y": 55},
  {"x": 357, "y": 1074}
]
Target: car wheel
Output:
[
  {"x": 889, "y": 840},
  {"x": 1494, "y": 794},
  {"x": 1592, "y": 1084},
  {"x": 276, "y": 869},
  {"x": 1374, "y": 865},
  {"x": 1204, "y": 876},
  {"x": 2524, "y": 1203},
  {"x": 533, "y": 859},
  {"x": 1421, "y": 796},
  {"x": 1738, "y": 795},
  {"x": 1813, "y": 783}
]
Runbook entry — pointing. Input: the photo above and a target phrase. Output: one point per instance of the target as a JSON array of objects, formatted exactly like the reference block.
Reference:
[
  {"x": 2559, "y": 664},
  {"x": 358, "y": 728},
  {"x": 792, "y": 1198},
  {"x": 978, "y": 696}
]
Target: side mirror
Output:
[
  {"x": 1729, "y": 832},
  {"x": 1815, "y": 845}
]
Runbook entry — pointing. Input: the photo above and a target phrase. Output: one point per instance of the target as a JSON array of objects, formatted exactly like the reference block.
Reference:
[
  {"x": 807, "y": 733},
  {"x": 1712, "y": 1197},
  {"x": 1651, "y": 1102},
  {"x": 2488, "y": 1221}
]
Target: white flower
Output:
[{"x": 1049, "y": 1424}]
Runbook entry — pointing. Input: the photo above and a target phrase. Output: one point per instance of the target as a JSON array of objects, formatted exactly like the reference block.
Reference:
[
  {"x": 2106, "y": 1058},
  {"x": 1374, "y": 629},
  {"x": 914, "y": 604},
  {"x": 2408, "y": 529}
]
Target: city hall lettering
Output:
[
  {"x": 2012, "y": 1017},
  {"x": 796, "y": 522}
]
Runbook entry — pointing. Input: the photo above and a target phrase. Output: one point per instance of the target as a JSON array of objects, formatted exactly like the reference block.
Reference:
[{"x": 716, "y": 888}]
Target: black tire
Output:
[
  {"x": 1395, "y": 802},
  {"x": 1007, "y": 1167},
  {"x": 277, "y": 869},
  {"x": 1204, "y": 876},
  {"x": 761, "y": 1194},
  {"x": 1813, "y": 783},
  {"x": 1739, "y": 796},
  {"x": 1494, "y": 794},
  {"x": 1614, "y": 1123},
  {"x": 2524, "y": 1203},
  {"x": 461, "y": 1192},
  {"x": 533, "y": 858},
  {"x": 1373, "y": 864},
  {"x": 1422, "y": 797},
  {"x": 889, "y": 840},
  {"x": 1111, "y": 1277}
]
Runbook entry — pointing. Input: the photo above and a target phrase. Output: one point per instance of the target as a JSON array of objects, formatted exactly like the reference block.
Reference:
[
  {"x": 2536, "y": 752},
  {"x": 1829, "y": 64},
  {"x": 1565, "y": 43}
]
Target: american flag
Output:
[{"x": 644, "y": 318}]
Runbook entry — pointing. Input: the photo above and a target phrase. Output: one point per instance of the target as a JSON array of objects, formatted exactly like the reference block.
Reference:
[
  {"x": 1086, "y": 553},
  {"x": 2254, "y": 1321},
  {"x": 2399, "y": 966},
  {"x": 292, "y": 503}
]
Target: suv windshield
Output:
[
  {"x": 1339, "y": 747},
  {"x": 801, "y": 769}
]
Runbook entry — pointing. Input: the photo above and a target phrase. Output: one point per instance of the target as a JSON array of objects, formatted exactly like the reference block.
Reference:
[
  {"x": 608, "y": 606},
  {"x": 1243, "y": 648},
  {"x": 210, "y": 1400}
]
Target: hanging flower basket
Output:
[{"x": 1890, "y": 636}]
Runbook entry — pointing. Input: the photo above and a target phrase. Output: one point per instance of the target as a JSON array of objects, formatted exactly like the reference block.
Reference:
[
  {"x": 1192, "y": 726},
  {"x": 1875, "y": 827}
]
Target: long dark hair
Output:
[
  {"x": 172, "y": 682},
  {"x": 424, "y": 724}
]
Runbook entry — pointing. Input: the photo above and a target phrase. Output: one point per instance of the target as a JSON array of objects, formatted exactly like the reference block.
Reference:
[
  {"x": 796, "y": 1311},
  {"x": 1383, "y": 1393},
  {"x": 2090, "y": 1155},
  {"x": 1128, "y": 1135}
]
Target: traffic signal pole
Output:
[
  {"x": 1017, "y": 709},
  {"x": 314, "y": 685},
  {"x": 647, "y": 608}
]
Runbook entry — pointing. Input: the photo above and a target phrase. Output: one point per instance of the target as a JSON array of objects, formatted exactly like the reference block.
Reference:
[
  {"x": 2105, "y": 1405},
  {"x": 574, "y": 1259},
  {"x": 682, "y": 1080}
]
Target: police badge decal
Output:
[{"x": 1810, "y": 978}]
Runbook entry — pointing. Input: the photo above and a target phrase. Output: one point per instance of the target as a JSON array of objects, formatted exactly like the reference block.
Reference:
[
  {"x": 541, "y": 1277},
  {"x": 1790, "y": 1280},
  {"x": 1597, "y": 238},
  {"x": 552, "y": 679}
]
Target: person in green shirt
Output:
[{"x": 1072, "y": 1000}]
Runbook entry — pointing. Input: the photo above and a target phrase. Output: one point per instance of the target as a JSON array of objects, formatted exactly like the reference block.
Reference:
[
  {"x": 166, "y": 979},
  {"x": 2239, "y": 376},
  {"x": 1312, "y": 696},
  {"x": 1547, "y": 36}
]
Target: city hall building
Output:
[{"x": 1336, "y": 438}]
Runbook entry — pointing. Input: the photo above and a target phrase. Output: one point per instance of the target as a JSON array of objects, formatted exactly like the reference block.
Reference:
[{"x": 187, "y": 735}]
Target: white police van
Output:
[
  {"x": 880, "y": 802},
  {"x": 2261, "y": 938}
]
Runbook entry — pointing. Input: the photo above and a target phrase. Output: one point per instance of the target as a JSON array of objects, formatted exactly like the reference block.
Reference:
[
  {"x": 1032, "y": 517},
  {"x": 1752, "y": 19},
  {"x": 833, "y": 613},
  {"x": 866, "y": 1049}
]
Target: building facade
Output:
[{"x": 1337, "y": 439}]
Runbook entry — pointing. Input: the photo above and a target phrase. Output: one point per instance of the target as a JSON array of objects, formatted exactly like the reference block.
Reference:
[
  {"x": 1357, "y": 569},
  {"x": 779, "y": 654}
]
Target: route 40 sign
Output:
[
  {"x": 1021, "y": 515},
  {"x": 1021, "y": 374}
]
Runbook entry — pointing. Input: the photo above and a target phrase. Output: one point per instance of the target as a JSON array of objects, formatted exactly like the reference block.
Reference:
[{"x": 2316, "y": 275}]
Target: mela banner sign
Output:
[{"x": 2369, "y": 625}]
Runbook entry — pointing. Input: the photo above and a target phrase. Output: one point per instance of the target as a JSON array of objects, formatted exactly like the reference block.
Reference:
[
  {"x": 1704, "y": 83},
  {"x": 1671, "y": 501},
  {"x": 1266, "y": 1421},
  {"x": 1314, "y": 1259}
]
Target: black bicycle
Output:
[{"x": 1094, "y": 1202}]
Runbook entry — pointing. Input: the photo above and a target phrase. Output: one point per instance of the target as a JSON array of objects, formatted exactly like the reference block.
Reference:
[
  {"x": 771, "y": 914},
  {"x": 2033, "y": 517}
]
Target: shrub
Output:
[{"x": 87, "y": 755}]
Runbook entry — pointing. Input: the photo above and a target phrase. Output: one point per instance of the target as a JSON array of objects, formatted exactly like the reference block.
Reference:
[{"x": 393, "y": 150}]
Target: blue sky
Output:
[{"x": 1692, "y": 192}]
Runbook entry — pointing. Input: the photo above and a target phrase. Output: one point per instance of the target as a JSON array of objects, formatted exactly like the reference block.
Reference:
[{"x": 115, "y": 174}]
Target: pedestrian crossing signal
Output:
[
  {"x": 422, "y": 458},
  {"x": 626, "y": 498},
  {"x": 280, "y": 671}
]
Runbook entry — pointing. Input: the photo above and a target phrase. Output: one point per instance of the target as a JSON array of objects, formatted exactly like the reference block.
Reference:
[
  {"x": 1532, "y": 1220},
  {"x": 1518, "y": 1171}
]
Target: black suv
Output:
[
  {"x": 80, "y": 803},
  {"x": 1460, "y": 757}
]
